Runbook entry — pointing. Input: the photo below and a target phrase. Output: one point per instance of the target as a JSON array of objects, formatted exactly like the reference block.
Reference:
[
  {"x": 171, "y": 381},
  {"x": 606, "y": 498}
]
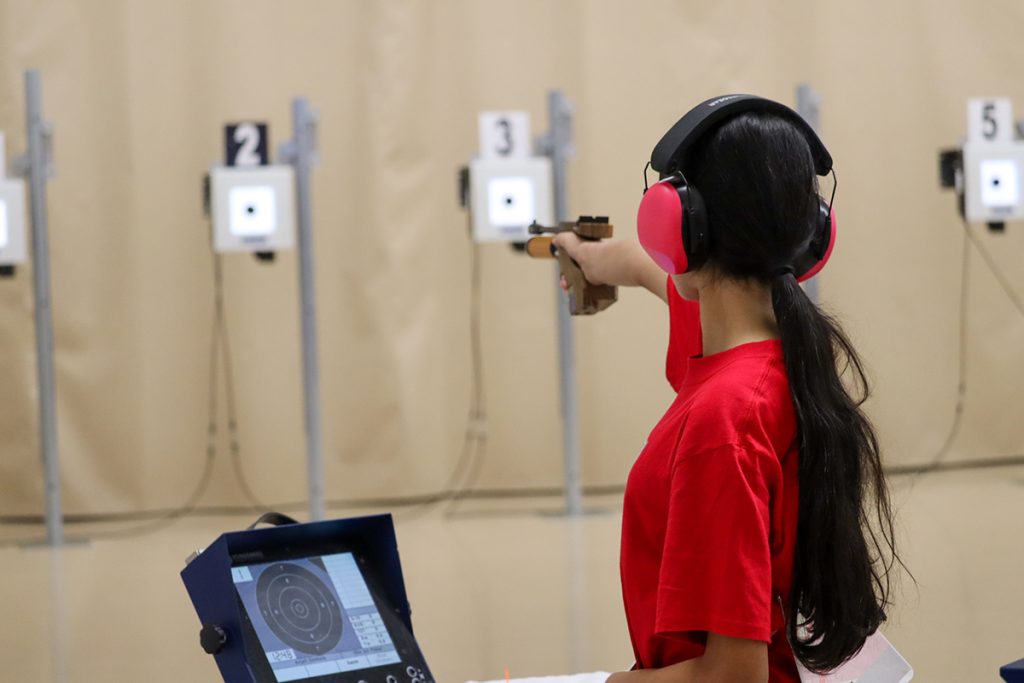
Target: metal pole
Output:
[
  {"x": 559, "y": 148},
  {"x": 301, "y": 152},
  {"x": 808, "y": 105},
  {"x": 57, "y": 630},
  {"x": 39, "y": 133}
]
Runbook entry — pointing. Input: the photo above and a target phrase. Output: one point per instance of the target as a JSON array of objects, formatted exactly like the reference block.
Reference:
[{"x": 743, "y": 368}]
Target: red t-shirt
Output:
[{"x": 710, "y": 513}]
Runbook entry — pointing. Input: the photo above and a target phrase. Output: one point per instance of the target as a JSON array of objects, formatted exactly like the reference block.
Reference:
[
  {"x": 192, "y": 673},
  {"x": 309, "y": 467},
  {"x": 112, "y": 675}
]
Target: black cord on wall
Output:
[
  {"x": 474, "y": 444},
  {"x": 220, "y": 334},
  {"x": 156, "y": 520},
  {"x": 460, "y": 484},
  {"x": 938, "y": 462}
]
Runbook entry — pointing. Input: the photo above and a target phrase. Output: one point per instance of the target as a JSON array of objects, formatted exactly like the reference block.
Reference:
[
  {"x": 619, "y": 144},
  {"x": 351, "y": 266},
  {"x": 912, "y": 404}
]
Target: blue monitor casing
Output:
[
  {"x": 1013, "y": 673},
  {"x": 263, "y": 595}
]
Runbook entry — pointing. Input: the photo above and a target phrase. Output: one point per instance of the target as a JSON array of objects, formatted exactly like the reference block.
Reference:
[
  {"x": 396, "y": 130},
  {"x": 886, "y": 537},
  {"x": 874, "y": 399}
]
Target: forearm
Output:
[
  {"x": 651, "y": 277},
  {"x": 725, "y": 660},
  {"x": 628, "y": 265},
  {"x": 683, "y": 672},
  {"x": 691, "y": 671},
  {"x": 622, "y": 263}
]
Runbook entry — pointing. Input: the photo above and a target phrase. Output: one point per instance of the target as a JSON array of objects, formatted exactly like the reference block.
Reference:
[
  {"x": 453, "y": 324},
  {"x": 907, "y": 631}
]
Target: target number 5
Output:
[
  {"x": 989, "y": 120},
  {"x": 245, "y": 144}
]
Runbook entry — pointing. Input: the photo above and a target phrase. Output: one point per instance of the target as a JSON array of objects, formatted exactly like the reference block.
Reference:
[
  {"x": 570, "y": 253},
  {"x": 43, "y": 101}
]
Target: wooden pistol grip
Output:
[{"x": 585, "y": 298}]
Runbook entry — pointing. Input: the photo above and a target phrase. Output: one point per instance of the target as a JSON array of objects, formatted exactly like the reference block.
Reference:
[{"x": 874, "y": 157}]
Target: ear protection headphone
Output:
[{"x": 672, "y": 220}]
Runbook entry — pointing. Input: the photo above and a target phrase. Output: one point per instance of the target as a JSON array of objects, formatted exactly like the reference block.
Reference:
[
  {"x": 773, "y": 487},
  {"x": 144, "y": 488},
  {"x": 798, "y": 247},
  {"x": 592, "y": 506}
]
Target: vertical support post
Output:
[
  {"x": 557, "y": 144},
  {"x": 301, "y": 153},
  {"x": 37, "y": 164},
  {"x": 808, "y": 105},
  {"x": 56, "y": 632}
]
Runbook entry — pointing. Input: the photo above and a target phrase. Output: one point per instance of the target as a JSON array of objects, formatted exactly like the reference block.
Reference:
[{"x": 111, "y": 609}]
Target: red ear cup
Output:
[
  {"x": 821, "y": 247},
  {"x": 659, "y": 225}
]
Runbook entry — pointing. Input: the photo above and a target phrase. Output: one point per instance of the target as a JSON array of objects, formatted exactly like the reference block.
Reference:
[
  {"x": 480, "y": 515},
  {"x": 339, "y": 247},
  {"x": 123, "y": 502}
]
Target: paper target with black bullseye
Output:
[{"x": 299, "y": 607}]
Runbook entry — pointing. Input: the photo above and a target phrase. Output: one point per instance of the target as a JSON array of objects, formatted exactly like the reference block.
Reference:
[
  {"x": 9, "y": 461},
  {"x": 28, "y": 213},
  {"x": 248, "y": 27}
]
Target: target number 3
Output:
[
  {"x": 504, "y": 134},
  {"x": 505, "y": 137},
  {"x": 245, "y": 144}
]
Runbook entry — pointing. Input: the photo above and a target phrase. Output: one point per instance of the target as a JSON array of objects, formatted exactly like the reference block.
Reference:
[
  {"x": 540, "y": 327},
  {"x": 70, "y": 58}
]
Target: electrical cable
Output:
[
  {"x": 469, "y": 464},
  {"x": 160, "y": 519},
  {"x": 511, "y": 493},
  {"x": 220, "y": 349},
  {"x": 996, "y": 272},
  {"x": 961, "y": 382},
  {"x": 163, "y": 521},
  {"x": 478, "y": 410},
  {"x": 938, "y": 462},
  {"x": 1013, "y": 460},
  {"x": 474, "y": 442},
  {"x": 460, "y": 482},
  {"x": 219, "y": 342},
  {"x": 221, "y": 334},
  {"x": 157, "y": 521}
]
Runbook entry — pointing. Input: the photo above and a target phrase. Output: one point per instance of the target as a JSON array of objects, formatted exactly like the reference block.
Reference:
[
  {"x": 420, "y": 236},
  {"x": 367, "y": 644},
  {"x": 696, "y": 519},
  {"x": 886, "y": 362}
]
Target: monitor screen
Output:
[{"x": 314, "y": 616}]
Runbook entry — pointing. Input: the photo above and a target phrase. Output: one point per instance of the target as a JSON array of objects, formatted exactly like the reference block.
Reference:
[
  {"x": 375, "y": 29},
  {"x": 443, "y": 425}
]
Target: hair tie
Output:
[{"x": 782, "y": 271}]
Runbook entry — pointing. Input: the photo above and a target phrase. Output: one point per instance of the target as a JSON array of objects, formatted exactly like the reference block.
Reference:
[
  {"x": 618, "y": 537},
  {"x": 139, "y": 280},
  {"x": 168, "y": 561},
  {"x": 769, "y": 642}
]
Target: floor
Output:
[{"x": 507, "y": 584}]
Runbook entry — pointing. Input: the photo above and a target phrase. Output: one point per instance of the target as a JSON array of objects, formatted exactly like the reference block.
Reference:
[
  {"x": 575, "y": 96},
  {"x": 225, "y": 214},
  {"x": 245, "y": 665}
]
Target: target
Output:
[{"x": 299, "y": 608}]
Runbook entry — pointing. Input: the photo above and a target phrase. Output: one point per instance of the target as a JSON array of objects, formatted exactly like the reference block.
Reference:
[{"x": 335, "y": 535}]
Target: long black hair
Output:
[{"x": 756, "y": 175}]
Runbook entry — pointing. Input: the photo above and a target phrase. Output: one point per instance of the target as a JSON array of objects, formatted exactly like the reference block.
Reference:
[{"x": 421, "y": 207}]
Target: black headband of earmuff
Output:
[{"x": 670, "y": 152}]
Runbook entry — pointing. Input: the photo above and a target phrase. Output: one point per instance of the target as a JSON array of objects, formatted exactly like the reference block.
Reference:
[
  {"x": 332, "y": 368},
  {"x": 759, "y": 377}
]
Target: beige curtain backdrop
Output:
[{"x": 139, "y": 91}]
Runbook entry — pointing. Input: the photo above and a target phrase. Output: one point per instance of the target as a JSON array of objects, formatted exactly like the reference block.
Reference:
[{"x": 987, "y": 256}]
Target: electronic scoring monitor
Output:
[
  {"x": 317, "y": 619},
  {"x": 321, "y": 602}
]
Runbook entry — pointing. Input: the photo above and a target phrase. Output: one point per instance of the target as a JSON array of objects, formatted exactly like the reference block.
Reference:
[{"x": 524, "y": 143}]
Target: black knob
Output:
[{"x": 212, "y": 638}]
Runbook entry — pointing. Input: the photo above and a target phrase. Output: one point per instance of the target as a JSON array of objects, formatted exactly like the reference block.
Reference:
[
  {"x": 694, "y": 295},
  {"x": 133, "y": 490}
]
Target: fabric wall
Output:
[{"x": 138, "y": 93}]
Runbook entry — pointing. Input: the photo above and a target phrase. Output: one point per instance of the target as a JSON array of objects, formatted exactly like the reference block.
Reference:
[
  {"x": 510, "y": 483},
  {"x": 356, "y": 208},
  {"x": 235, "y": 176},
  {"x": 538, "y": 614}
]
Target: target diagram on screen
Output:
[{"x": 300, "y": 608}]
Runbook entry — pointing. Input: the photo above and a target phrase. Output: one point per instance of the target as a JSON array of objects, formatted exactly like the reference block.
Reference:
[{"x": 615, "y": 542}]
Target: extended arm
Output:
[
  {"x": 614, "y": 262},
  {"x": 725, "y": 660}
]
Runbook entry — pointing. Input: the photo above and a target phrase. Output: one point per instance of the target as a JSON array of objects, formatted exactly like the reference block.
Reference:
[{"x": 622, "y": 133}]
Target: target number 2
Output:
[{"x": 245, "y": 144}]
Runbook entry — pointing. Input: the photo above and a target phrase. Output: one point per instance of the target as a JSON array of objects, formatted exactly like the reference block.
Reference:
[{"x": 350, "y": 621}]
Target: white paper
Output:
[
  {"x": 877, "y": 662},
  {"x": 594, "y": 677}
]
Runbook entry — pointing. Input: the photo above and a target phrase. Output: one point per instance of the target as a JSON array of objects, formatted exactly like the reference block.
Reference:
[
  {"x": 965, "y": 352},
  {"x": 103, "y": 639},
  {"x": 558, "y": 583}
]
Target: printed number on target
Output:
[
  {"x": 245, "y": 144},
  {"x": 989, "y": 119},
  {"x": 505, "y": 135}
]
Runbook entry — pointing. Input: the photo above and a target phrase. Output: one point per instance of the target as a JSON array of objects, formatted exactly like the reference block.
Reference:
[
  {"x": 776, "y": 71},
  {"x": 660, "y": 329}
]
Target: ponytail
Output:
[
  {"x": 844, "y": 546},
  {"x": 757, "y": 177}
]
